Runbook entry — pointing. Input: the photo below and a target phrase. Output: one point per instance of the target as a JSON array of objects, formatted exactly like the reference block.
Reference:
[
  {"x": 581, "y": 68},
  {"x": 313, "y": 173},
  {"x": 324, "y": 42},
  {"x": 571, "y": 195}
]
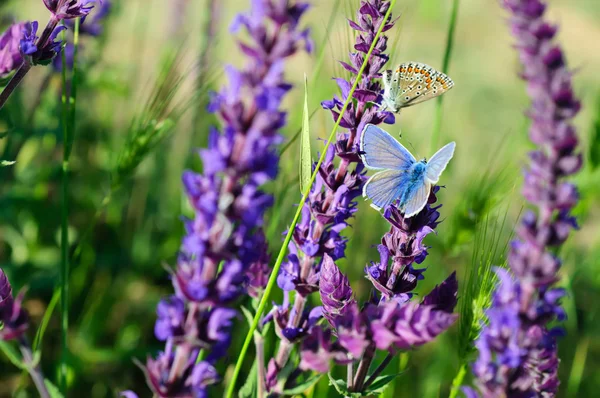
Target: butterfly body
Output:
[
  {"x": 400, "y": 176},
  {"x": 412, "y": 83}
]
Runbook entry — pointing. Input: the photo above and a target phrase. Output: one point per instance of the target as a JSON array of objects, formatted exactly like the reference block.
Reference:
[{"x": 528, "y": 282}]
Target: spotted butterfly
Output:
[{"x": 412, "y": 83}]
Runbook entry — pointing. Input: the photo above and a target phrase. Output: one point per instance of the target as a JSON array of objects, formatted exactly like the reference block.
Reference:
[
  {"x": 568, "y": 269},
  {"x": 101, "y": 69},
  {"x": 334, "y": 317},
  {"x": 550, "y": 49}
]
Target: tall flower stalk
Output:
[
  {"x": 517, "y": 348},
  {"x": 224, "y": 239},
  {"x": 332, "y": 199}
]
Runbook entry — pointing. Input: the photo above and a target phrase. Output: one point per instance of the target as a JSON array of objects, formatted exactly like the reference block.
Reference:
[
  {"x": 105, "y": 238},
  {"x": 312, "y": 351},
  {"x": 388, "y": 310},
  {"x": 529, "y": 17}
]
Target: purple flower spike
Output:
[
  {"x": 517, "y": 350},
  {"x": 223, "y": 254},
  {"x": 10, "y": 49}
]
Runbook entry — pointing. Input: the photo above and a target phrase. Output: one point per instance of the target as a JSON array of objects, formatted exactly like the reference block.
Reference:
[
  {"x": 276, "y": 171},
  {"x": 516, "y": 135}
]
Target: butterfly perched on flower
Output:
[
  {"x": 400, "y": 177},
  {"x": 412, "y": 83}
]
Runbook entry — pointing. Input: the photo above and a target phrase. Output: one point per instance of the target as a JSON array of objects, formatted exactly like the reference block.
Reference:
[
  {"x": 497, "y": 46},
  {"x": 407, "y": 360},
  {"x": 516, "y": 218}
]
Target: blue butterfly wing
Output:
[
  {"x": 415, "y": 198},
  {"x": 380, "y": 151},
  {"x": 385, "y": 187}
]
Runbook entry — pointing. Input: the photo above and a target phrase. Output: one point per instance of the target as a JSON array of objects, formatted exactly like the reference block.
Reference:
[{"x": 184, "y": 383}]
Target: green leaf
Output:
[
  {"x": 52, "y": 389},
  {"x": 12, "y": 354},
  {"x": 249, "y": 388},
  {"x": 302, "y": 387},
  {"x": 4, "y": 163},
  {"x": 595, "y": 141},
  {"x": 305, "y": 156},
  {"x": 381, "y": 383}
]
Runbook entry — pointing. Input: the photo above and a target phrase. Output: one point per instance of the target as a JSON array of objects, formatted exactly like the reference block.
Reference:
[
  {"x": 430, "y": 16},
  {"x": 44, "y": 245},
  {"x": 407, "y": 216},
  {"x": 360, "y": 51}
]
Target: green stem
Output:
[
  {"x": 578, "y": 367},
  {"x": 265, "y": 298},
  {"x": 458, "y": 380},
  {"x": 437, "y": 124},
  {"x": 68, "y": 116}
]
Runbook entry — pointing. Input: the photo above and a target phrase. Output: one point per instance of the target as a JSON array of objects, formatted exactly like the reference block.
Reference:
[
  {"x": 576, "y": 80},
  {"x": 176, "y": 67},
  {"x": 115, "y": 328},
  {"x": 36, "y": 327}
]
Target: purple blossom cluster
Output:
[
  {"x": 389, "y": 321},
  {"x": 223, "y": 253},
  {"x": 332, "y": 200},
  {"x": 33, "y": 49},
  {"x": 517, "y": 349}
]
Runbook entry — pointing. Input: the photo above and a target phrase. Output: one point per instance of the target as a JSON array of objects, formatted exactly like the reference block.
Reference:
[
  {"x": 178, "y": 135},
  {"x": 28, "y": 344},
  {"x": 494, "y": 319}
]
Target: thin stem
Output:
[
  {"x": 260, "y": 365},
  {"x": 386, "y": 361},
  {"x": 458, "y": 380},
  {"x": 68, "y": 113},
  {"x": 578, "y": 367},
  {"x": 349, "y": 374},
  {"x": 14, "y": 83},
  {"x": 272, "y": 279},
  {"x": 34, "y": 369},
  {"x": 64, "y": 241},
  {"x": 363, "y": 368},
  {"x": 437, "y": 125}
]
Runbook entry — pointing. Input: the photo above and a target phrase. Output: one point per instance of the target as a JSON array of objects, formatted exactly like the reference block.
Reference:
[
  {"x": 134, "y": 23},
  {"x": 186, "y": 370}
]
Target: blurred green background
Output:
[{"x": 118, "y": 276}]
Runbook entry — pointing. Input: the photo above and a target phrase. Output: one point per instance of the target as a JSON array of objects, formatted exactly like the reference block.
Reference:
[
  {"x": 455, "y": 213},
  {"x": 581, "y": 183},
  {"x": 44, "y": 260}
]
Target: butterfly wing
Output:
[
  {"x": 381, "y": 151},
  {"x": 420, "y": 82},
  {"x": 438, "y": 162},
  {"x": 385, "y": 187},
  {"x": 417, "y": 199}
]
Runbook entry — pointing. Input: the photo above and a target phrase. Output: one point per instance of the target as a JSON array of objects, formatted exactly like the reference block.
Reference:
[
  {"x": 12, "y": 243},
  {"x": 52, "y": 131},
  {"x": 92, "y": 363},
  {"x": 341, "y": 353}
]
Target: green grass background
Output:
[{"x": 119, "y": 276}]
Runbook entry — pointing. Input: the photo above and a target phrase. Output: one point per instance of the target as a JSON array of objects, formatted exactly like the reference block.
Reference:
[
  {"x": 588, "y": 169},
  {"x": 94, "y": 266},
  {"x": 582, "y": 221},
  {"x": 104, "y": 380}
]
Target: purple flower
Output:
[
  {"x": 444, "y": 296},
  {"x": 94, "y": 25},
  {"x": 10, "y": 49},
  {"x": 517, "y": 350},
  {"x": 175, "y": 373},
  {"x": 335, "y": 290},
  {"x": 68, "y": 9},
  {"x": 404, "y": 326},
  {"x": 223, "y": 254},
  {"x": 33, "y": 50},
  {"x": 13, "y": 317}
]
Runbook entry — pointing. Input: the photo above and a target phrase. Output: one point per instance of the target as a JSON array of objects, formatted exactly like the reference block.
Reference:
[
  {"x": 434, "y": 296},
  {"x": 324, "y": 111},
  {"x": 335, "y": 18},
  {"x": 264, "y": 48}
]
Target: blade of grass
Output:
[
  {"x": 288, "y": 237},
  {"x": 437, "y": 124},
  {"x": 305, "y": 155}
]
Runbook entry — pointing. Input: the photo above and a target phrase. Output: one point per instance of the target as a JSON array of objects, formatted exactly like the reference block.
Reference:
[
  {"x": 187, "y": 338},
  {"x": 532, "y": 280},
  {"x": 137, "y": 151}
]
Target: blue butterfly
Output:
[{"x": 400, "y": 177}]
